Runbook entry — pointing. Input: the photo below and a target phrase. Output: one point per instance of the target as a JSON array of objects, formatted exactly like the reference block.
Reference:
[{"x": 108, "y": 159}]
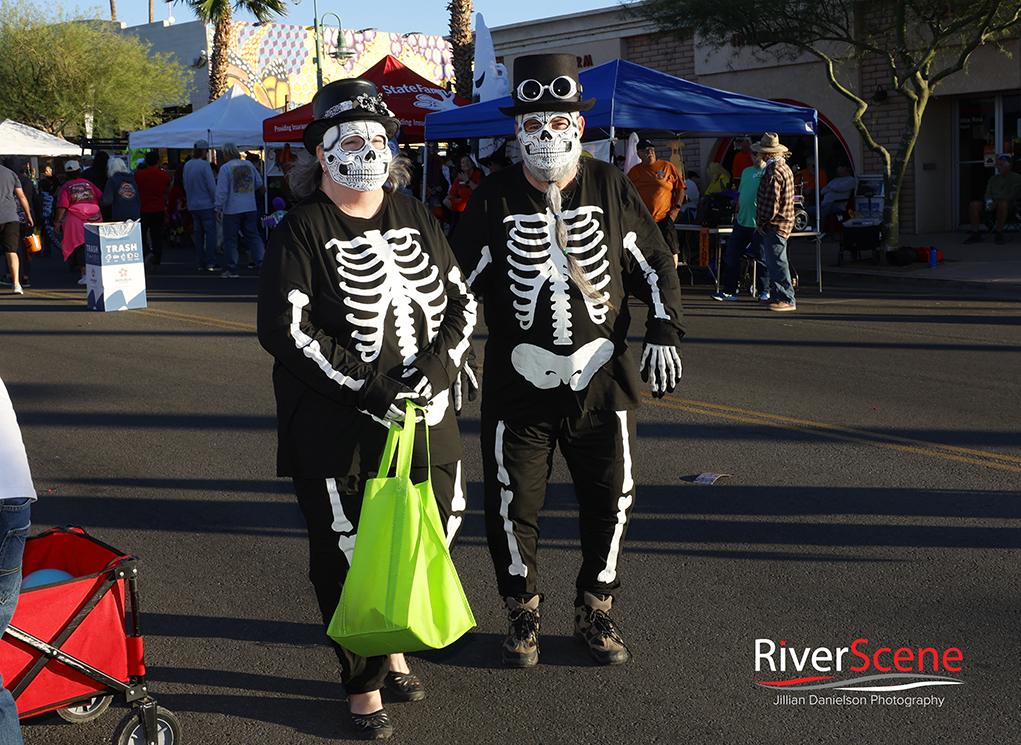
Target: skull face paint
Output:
[
  {"x": 356, "y": 155},
  {"x": 550, "y": 143}
]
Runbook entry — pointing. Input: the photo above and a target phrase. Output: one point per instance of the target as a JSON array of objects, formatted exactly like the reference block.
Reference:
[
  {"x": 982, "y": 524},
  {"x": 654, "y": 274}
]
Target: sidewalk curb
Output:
[{"x": 834, "y": 275}]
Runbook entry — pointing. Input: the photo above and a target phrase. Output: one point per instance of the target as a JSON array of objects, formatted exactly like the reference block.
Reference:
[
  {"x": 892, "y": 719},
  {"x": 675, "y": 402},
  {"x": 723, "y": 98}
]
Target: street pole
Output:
[{"x": 319, "y": 46}]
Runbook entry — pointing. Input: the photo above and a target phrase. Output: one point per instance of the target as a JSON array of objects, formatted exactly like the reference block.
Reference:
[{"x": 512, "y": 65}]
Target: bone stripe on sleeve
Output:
[
  {"x": 310, "y": 347},
  {"x": 659, "y": 310},
  {"x": 471, "y": 315},
  {"x": 485, "y": 259}
]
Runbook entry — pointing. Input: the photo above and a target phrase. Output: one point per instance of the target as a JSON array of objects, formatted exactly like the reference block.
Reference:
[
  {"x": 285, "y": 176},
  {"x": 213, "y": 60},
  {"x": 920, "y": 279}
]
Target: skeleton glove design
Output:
[
  {"x": 466, "y": 383},
  {"x": 661, "y": 368},
  {"x": 414, "y": 386}
]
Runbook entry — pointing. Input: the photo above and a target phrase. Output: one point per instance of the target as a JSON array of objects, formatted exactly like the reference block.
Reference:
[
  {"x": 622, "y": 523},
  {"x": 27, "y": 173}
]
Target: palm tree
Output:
[
  {"x": 462, "y": 46},
  {"x": 219, "y": 13},
  {"x": 113, "y": 10}
]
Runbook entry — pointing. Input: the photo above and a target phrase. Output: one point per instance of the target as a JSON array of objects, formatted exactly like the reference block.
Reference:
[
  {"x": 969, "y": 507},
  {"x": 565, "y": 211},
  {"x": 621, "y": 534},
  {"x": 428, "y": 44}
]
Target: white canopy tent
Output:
[
  {"x": 233, "y": 117},
  {"x": 21, "y": 139}
]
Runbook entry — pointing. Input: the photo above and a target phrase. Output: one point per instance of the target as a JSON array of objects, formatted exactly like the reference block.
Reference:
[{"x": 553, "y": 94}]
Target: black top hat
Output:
[
  {"x": 351, "y": 100},
  {"x": 546, "y": 82}
]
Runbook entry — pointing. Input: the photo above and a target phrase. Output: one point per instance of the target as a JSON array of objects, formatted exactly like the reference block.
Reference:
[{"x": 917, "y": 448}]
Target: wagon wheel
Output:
[
  {"x": 168, "y": 730},
  {"x": 800, "y": 221},
  {"x": 86, "y": 712}
]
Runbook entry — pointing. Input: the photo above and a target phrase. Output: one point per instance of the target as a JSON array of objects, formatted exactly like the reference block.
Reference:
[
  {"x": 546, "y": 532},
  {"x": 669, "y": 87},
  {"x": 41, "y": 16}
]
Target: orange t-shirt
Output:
[
  {"x": 742, "y": 160},
  {"x": 807, "y": 178},
  {"x": 659, "y": 185}
]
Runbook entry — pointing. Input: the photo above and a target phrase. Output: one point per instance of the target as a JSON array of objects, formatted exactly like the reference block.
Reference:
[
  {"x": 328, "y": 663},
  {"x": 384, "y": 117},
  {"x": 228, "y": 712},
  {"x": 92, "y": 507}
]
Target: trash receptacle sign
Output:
[{"x": 113, "y": 265}]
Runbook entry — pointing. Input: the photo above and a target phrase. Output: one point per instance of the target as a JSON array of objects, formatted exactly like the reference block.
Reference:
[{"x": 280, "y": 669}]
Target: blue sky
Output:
[{"x": 403, "y": 16}]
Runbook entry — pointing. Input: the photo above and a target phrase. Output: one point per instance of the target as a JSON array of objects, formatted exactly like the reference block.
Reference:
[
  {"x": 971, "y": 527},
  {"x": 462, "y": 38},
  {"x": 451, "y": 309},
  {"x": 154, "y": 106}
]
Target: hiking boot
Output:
[
  {"x": 521, "y": 647},
  {"x": 593, "y": 627},
  {"x": 974, "y": 238}
]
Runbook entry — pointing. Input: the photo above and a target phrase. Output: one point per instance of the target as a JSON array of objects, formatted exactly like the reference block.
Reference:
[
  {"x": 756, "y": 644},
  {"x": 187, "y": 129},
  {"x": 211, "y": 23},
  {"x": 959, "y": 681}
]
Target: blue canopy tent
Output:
[{"x": 633, "y": 97}]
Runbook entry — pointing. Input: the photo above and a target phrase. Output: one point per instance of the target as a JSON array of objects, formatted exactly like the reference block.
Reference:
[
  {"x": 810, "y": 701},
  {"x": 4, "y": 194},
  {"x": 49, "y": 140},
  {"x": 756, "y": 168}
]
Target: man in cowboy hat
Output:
[
  {"x": 774, "y": 219},
  {"x": 555, "y": 246}
]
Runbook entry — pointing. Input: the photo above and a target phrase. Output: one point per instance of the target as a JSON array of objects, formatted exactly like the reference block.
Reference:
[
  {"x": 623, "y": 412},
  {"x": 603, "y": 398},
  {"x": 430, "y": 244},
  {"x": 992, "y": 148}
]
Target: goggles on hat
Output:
[{"x": 562, "y": 87}]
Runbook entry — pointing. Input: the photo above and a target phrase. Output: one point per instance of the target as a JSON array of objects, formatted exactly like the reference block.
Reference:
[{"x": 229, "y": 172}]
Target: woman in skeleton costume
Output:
[
  {"x": 554, "y": 247},
  {"x": 363, "y": 307}
]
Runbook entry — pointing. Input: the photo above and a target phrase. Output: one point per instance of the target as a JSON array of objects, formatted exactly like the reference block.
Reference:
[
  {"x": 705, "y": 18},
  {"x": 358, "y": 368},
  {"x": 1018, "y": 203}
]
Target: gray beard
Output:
[{"x": 551, "y": 173}]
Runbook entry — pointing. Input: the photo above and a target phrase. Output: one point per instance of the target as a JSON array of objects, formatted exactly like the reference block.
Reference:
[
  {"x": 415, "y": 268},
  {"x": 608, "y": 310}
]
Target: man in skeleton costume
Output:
[
  {"x": 554, "y": 247},
  {"x": 364, "y": 307}
]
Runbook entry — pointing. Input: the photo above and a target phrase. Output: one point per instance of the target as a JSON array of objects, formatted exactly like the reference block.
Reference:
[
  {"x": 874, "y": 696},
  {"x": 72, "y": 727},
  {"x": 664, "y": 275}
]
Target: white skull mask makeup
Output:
[
  {"x": 549, "y": 153},
  {"x": 363, "y": 169}
]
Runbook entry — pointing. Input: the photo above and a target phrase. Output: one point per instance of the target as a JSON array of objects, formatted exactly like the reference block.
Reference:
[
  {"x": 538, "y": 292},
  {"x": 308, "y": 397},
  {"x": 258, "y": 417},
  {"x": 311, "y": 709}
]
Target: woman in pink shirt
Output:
[{"x": 77, "y": 204}]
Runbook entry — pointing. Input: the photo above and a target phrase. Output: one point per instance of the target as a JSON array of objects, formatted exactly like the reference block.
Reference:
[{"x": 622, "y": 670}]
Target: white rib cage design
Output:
[
  {"x": 535, "y": 259},
  {"x": 380, "y": 271}
]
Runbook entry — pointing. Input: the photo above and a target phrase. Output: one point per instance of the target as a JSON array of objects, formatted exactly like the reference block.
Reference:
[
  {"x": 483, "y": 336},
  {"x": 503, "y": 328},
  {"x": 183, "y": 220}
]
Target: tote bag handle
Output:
[{"x": 402, "y": 439}]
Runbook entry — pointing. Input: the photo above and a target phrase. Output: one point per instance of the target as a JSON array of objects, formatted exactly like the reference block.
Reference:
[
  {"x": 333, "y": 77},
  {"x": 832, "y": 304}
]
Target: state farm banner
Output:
[{"x": 408, "y": 95}]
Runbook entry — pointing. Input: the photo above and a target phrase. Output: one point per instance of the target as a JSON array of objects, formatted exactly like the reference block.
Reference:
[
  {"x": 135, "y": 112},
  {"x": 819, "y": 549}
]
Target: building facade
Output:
[
  {"x": 974, "y": 114},
  {"x": 275, "y": 64}
]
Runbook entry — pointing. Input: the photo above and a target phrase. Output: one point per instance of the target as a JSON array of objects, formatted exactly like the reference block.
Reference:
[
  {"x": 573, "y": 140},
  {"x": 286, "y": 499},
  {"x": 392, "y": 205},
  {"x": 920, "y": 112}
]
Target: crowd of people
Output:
[{"x": 190, "y": 203}]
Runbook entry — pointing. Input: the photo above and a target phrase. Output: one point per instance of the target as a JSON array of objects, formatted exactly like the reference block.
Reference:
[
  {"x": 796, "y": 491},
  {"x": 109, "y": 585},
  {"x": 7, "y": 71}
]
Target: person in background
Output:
[
  {"x": 237, "y": 186},
  {"x": 12, "y": 197},
  {"x": 774, "y": 219},
  {"x": 98, "y": 173},
  {"x": 121, "y": 193},
  {"x": 200, "y": 189},
  {"x": 744, "y": 233},
  {"x": 27, "y": 221},
  {"x": 153, "y": 186},
  {"x": 691, "y": 194},
  {"x": 342, "y": 377},
  {"x": 464, "y": 182},
  {"x": 662, "y": 190},
  {"x": 834, "y": 195},
  {"x": 806, "y": 179},
  {"x": 77, "y": 204},
  {"x": 178, "y": 218},
  {"x": 719, "y": 179},
  {"x": 1002, "y": 191},
  {"x": 743, "y": 156},
  {"x": 274, "y": 218},
  {"x": 16, "y": 496},
  {"x": 49, "y": 186}
]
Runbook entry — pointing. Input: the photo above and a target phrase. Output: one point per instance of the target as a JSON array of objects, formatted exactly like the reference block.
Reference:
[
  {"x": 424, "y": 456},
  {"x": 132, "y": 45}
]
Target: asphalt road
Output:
[{"x": 872, "y": 455}]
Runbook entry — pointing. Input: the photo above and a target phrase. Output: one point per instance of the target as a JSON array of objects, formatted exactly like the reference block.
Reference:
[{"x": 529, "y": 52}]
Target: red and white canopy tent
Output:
[{"x": 409, "y": 95}]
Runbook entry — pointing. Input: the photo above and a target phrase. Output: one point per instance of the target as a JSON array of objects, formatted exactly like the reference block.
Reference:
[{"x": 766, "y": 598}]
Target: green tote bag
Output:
[{"x": 402, "y": 593}]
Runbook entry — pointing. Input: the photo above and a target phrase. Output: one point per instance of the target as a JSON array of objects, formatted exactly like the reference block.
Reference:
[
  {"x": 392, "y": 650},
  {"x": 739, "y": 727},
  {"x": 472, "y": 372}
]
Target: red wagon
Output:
[{"x": 73, "y": 645}]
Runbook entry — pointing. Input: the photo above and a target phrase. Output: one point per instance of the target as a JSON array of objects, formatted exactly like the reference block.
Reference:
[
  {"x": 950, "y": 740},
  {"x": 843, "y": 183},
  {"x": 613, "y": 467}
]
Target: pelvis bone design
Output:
[{"x": 545, "y": 369}]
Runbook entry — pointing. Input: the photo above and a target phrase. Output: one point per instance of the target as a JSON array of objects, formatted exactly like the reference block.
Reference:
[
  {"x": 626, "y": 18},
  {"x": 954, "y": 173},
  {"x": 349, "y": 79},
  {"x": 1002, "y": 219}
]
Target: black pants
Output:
[
  {"x": 153, "y": 222},
  {"x": 331, "y": 508},
  {"x": 517, "y": 458},
  {"x": 669, "y": 230}
]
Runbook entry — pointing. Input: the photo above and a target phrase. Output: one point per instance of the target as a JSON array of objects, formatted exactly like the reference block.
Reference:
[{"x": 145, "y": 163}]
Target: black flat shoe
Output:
[
  {"x": 374, "y": 726},
  {"x": 404, "y": 686}
]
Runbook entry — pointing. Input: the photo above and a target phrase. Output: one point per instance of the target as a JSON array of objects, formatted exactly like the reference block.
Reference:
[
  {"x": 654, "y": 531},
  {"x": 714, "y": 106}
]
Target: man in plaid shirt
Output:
[{"x": 775, "y": 219}]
